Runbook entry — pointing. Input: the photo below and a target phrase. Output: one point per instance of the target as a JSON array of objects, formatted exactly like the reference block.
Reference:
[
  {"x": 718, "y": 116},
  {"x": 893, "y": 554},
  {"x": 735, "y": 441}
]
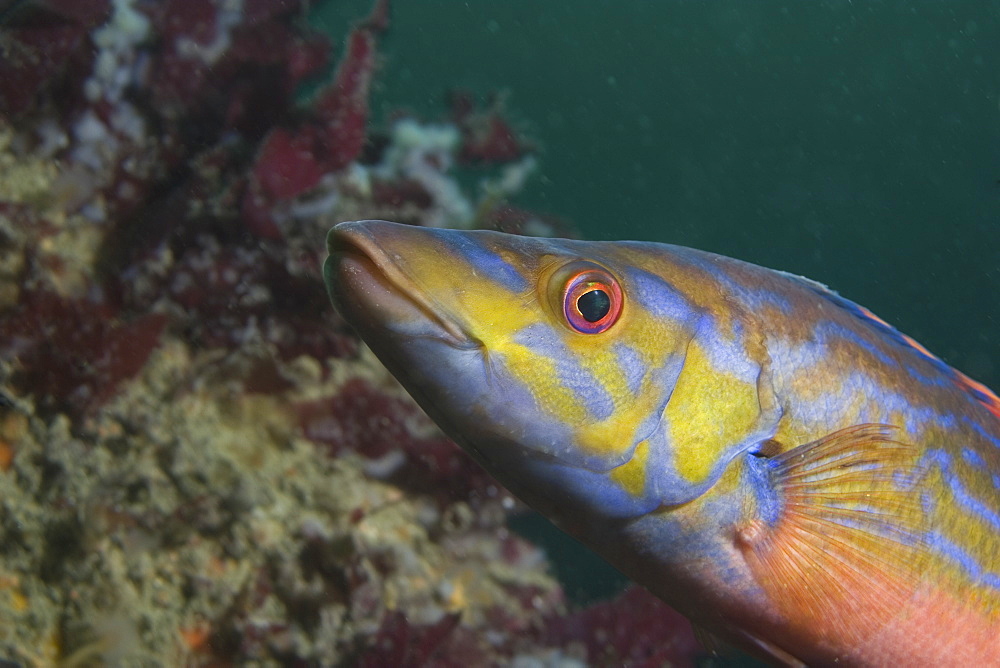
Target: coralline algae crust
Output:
[{"x": 210, "y": 512}]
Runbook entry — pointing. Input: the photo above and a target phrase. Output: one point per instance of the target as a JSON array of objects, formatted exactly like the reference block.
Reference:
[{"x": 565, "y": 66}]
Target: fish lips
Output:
[
  {"x": 433, "y": 357},
  {"x": 374, "y": 293}
]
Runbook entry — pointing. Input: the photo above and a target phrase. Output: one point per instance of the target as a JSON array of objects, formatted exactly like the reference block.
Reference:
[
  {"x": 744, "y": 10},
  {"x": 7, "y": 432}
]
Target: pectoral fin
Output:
[{"x": 837, "y": 541}]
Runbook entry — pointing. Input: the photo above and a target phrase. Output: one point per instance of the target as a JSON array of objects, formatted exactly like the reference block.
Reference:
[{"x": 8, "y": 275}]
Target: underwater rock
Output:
[{"x": 199, "y": 463}]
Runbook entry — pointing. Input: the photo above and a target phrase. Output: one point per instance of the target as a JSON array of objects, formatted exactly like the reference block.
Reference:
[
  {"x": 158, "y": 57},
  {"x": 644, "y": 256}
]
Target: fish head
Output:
[{"x": 549, "y": 360}]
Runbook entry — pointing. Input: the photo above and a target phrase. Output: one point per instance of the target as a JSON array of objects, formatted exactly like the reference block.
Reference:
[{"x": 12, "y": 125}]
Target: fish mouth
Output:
[{"x": 369, "y": 287}]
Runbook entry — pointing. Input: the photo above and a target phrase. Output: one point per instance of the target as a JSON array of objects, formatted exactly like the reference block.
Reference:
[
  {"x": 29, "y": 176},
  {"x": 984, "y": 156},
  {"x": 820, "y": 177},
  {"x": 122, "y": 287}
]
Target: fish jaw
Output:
[
  {"x": 375, "y": 294},
  {"x": 396, "y": 320},
  {"x": 436, "y": 360}
]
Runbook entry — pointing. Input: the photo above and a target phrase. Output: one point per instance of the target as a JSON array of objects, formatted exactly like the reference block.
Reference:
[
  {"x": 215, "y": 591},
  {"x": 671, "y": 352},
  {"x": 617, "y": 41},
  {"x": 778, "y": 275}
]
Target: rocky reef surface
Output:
[{"x": 200, "y": 464}]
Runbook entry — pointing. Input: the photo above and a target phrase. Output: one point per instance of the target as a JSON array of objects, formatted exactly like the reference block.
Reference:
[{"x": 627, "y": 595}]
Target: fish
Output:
[{"x": 793, "y": 474}]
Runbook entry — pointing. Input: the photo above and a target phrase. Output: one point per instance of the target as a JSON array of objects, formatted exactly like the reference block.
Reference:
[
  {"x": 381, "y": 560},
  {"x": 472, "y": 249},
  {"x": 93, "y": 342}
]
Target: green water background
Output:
[{"x": 857, "y": 143}]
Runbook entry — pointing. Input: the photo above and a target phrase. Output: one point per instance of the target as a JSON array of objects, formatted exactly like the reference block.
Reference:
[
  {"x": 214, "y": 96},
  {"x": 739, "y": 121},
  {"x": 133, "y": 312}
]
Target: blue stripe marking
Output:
[
  {"x": 870, "y": 520},
  {"x": 917, "y": 418},
  {"x": 726, "y": 355},
  {"x": 906, "y": 481},
  {"x": 962, "y": 496},
  {"x": 883, "y": 329},
  {"x": 968, "y": 563},
  {"x": 933, "y": 380},
  {"x": 927, "y": 501},
  {"x": 981, "y": 397},
  {"x": 838, "y": 330},
  {"x": 893, "y": 334},
  {"x": 880, "y": 406},
  {"x": 973, "y": 458},
  {"x": 861, "y": 313},
  {"x": 752, "y": 298},
  {"x": 659, "y": 297},
  {"x": 632, "y": 365},
  {"x": 485, "y": 261},
  {"x": 979, "y": 429},
  {"x": 976, "y": 459},
  {"x": 573, "y": 376},
  {"x": 758, "y": 475},
  {"x": 937, "y": 363}
]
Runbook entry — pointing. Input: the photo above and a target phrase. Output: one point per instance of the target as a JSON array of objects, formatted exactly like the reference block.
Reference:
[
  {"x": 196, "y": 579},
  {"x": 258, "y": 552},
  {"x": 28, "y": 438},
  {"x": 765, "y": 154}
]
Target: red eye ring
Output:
[{"x": 592, "y": 300}]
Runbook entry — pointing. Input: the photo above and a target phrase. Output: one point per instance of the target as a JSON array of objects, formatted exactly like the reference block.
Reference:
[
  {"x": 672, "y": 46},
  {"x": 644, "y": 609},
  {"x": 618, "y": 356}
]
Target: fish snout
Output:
[{"x": 370, "y": 286}]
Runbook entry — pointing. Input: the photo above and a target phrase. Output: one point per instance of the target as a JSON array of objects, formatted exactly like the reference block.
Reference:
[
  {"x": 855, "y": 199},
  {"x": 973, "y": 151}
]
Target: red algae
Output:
[
  {"x": 344, "y": 107},
  {"x": 487, "y": 136},
  {"x": 291, "y": 162},
  {"x": 201, "y": 464},
  {"x": 399, "y": 643},
  {"x": 72, "y": 355},
  {"x": 400, "y": 442},
  {"x": 45, "y": 42},
  {"x": 635, "y": 629}
]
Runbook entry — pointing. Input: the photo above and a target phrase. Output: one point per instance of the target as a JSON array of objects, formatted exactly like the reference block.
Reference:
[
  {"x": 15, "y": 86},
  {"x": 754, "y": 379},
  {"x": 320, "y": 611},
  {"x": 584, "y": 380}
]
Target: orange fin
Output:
[{"x": 843, "y": 551}]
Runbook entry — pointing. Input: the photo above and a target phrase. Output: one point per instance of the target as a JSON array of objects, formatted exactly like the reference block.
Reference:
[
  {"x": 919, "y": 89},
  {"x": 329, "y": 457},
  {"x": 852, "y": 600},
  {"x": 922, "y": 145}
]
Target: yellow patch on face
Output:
[
  {"x": 709, "y": 411},
  {"x": 655, "y": 341},
  {"x": 496, "y": 316},
  {"x": 540, "y": 374},
  {"x": 631, "y": 475}
]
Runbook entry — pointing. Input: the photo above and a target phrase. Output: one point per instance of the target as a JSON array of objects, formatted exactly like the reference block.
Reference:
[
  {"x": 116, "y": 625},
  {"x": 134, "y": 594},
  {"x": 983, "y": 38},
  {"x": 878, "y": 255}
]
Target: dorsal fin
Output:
[
  {"x": 844, "y": 550},
  {"x": 973, "y": 388}
]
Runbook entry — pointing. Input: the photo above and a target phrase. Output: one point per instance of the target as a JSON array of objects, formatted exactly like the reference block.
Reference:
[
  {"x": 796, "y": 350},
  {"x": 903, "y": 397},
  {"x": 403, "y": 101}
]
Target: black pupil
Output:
[{"x": 594, "y": 305}]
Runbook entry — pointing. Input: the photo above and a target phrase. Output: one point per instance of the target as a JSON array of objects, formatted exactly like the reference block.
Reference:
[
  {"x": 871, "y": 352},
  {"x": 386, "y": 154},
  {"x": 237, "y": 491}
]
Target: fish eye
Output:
[
  {"x": 591, "y": 298},
  {"x": 594, "y": 304}
]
